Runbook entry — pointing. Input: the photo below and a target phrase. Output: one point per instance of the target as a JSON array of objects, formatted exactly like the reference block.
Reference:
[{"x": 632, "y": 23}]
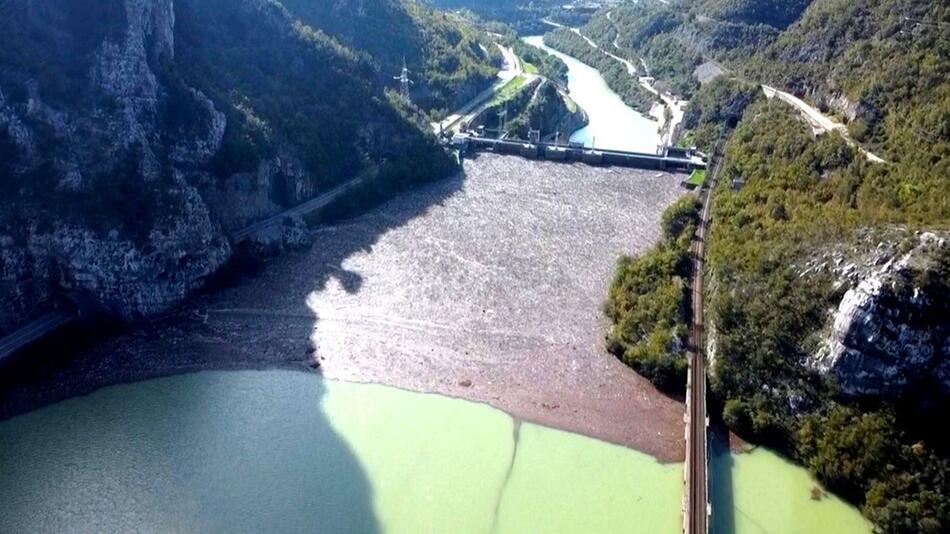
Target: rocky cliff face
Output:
[
  {"x": 136, "y": 134},
  {"x": 45, "y": 251},
  {"x": 136, "y": 279},
  {"x": 890, "y": 335}
]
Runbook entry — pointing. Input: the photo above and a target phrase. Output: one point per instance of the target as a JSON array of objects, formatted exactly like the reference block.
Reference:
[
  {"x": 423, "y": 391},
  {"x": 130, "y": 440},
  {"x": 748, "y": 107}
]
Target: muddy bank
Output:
[{"x": 486, "y": 287}]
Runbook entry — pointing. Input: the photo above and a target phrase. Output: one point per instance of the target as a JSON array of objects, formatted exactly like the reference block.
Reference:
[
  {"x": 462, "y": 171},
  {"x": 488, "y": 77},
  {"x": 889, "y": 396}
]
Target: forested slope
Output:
[
  {"x": 449, "y": 61},
  {"x": 674, "y": 38},
  {"x": 828, "y": 310},
  {"x": 522, "y": 15},
  {"x": 880, "y": 64},
  {"x": 614, "y": 72},
  {"x": 775, "y": 13},
  {"x": 828, "y": 283}
]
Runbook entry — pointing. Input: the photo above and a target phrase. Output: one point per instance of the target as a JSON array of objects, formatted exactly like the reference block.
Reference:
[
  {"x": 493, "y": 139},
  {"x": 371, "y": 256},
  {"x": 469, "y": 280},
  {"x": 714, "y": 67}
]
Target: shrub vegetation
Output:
[{"x": 649, "y": 302}]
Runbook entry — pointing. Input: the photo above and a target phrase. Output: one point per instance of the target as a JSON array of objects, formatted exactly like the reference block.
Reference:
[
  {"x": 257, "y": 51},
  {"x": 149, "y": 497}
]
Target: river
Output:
[
  {"x": 613, "y": 124},
  {"x": 485, "y": 288}
]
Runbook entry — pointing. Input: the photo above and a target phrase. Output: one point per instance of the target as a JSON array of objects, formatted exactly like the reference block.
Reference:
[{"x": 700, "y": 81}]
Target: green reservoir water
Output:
[
  {"x": 760, "y": 492},
  {"x": 290, "y": 452},
  {"x": 282, "y": 452}
]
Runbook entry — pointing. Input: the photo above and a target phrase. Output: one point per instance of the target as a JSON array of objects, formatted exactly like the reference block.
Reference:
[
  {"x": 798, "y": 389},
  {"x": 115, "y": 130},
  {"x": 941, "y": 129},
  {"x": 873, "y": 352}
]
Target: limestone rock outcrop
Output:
[
  {"x": 890, "y": 335},
  {"x": 45, "y": 251}
]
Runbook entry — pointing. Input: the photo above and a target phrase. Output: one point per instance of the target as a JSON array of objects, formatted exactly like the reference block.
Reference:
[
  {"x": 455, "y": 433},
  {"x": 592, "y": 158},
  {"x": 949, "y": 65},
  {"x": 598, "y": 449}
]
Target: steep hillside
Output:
[
  {"x": 448, "y": 60},
  {"x": 775, "y": 13},
  {"x": 881, "y": 65},
  {"x": 828, "y": 275},
  {"x": 136, "y": 135},
  {"x": 524, "y": 16},
  {"x": 614, "y": 72},
  {"x": 828, "y": 305},
  {"x": 674, "y": 38}
]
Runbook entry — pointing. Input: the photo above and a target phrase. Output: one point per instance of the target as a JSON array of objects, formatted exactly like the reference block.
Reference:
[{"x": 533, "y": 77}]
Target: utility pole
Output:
[
  {"x": 404, "y": 81},
  {"x": 502, "y": 120}
]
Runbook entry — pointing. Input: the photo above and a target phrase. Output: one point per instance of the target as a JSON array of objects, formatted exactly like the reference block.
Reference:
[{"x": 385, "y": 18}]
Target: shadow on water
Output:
[
  {"x": 207, "y": 451},
  {"x": 721, "y": 464}
]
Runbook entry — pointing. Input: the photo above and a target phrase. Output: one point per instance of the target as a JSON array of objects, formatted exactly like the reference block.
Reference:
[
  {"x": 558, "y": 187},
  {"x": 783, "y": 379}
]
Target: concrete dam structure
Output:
[{"x": 669, "y": 159}]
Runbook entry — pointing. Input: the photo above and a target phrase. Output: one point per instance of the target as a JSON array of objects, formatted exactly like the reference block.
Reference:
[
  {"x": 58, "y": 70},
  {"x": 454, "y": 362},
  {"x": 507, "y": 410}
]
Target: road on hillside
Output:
[
  {"x": 819, "y": 121},
  {"x": 301, "y": 209},
  {"x": 512, "y": 69},
  {"x": 34, "y": 331}
]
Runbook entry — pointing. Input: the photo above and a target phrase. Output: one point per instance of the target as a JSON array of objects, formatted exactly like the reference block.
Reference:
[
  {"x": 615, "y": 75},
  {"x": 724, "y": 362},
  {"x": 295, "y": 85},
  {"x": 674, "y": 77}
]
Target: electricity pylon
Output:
[{"x": 404, "y": 81}]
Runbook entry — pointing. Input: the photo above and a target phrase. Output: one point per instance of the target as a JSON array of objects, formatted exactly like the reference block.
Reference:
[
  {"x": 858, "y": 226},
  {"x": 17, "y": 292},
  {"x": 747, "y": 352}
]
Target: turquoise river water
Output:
[{"x": 613, "y": 124}]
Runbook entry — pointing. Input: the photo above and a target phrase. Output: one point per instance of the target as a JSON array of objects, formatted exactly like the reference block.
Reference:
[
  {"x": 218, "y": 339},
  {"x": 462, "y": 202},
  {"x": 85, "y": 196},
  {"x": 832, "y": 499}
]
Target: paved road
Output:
[
  {"x": 301, "y": 209},
  {"x": 513, "y": 67},
  {"x": 34, "y": 331},
  {"x": 676, "y": 106}
]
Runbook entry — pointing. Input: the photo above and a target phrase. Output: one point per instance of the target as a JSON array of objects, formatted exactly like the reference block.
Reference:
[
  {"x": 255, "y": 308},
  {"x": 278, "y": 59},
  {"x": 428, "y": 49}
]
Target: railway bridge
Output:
[{"x": 697, "y": 509}]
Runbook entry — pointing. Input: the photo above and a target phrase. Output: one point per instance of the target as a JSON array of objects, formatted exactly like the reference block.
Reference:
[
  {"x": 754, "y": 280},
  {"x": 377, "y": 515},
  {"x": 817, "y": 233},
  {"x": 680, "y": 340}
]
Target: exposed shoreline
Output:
[{"x": 443, "y": 290}]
